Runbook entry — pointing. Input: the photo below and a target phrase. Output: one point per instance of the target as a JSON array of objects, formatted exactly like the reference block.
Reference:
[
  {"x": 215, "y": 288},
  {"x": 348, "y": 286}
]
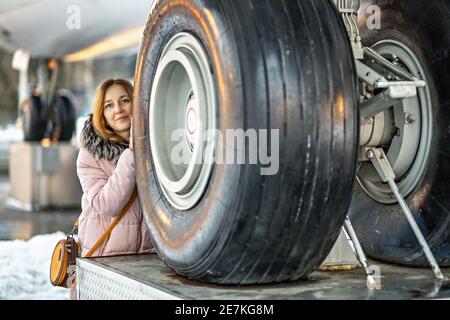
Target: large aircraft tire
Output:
[
  {"x": 65, "y": 116},
  {"x": 33, "y": 122},
  {"x": 284, "y": 65},
  {"x": 418, "y": 33}
]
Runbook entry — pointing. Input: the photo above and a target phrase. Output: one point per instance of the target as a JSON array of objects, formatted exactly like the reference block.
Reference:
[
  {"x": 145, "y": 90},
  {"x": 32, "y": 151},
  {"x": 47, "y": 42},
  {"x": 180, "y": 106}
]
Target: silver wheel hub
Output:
[
  {"x": 404, "y": 131},
  {"x": 182, "y": 109}
]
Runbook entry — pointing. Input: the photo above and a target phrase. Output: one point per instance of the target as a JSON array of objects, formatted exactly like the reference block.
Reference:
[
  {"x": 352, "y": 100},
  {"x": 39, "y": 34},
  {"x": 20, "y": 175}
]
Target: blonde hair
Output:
[{"x": 98, "y": 119}]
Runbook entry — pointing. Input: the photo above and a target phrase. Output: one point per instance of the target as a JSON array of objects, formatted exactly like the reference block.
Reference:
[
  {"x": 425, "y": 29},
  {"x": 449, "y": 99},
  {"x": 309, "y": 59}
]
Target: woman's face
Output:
[{"x": 117, "y": 109}]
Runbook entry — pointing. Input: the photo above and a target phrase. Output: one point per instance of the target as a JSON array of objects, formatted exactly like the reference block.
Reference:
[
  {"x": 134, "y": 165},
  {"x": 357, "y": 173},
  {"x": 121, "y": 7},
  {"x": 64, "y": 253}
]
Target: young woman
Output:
[{"x": 105, "y": 167}]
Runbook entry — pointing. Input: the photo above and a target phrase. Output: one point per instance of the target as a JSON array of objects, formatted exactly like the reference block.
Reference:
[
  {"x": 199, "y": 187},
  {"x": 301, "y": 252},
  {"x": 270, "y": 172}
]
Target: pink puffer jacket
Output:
[{"x": 106, "y": 173}]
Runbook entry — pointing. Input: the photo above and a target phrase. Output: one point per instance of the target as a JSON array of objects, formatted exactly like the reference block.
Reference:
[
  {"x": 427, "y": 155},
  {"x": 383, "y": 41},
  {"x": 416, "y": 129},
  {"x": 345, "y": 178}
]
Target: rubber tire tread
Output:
[{"x": 283, "y": 65}]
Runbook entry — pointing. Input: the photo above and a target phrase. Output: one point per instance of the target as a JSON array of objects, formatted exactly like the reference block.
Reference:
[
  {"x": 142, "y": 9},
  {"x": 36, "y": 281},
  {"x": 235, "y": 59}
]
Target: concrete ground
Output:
[
  {"x": 146, "y": 276},
  {"x": 18, "y": 224}
]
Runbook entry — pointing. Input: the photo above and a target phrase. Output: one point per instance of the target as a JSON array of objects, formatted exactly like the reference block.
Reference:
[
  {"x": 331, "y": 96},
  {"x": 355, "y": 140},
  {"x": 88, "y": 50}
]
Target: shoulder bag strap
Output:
[{"x": 111, "y": 227}]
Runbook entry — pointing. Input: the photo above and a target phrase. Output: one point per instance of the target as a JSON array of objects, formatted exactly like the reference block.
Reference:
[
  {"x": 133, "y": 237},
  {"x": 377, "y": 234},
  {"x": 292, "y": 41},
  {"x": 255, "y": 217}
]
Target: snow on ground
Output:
[
  {"x": 25, "y": 267},
  {"x": 10, "y": 133}
]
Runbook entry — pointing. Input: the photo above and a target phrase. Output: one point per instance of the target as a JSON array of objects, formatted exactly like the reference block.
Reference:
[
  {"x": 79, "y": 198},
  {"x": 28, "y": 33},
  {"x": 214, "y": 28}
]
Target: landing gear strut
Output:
[{"x": 395, "y": 125}]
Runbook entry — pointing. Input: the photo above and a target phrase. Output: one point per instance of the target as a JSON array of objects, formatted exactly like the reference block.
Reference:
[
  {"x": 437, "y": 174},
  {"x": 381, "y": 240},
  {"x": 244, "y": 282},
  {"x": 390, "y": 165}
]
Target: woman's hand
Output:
[{"x": 130, "y": 145}]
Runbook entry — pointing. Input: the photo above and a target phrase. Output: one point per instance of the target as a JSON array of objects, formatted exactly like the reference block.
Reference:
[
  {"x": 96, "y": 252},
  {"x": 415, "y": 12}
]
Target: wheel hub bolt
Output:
[{"x": 410, "y": 118}]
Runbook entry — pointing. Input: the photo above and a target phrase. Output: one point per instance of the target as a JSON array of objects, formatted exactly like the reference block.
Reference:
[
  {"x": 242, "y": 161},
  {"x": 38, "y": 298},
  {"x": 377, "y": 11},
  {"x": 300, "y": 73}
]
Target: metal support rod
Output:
[
  {"x": 376, "y": 80},
  {"x": 367, "y": 74},
  {"x": 377, "y": 104},
  {"x": 417, "y": 232},
  {"x": 348, "y": 228},
  {"x": 372, "y": 54},
  {"x": 387, "y": 84},
  {"x": 384, "y": 169}
]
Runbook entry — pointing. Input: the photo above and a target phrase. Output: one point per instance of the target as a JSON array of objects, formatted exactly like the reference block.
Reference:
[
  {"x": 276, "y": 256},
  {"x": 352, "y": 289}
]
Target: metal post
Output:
[{"x": 23, "y": 89}]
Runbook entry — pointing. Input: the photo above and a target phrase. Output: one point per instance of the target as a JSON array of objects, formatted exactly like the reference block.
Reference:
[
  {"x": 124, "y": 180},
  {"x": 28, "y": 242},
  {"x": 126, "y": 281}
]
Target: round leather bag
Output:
[{"x": 59, "y": 264}]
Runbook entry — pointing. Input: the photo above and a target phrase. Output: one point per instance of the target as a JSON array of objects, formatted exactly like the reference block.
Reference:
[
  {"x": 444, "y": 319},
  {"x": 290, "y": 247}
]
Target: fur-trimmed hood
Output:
[{"x": 99, "y": 147}]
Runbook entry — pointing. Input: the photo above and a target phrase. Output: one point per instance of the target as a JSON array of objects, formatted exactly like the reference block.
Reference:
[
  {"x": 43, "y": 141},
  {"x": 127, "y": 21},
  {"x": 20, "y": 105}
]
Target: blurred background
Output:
[{"x": 53, "y": 55}]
